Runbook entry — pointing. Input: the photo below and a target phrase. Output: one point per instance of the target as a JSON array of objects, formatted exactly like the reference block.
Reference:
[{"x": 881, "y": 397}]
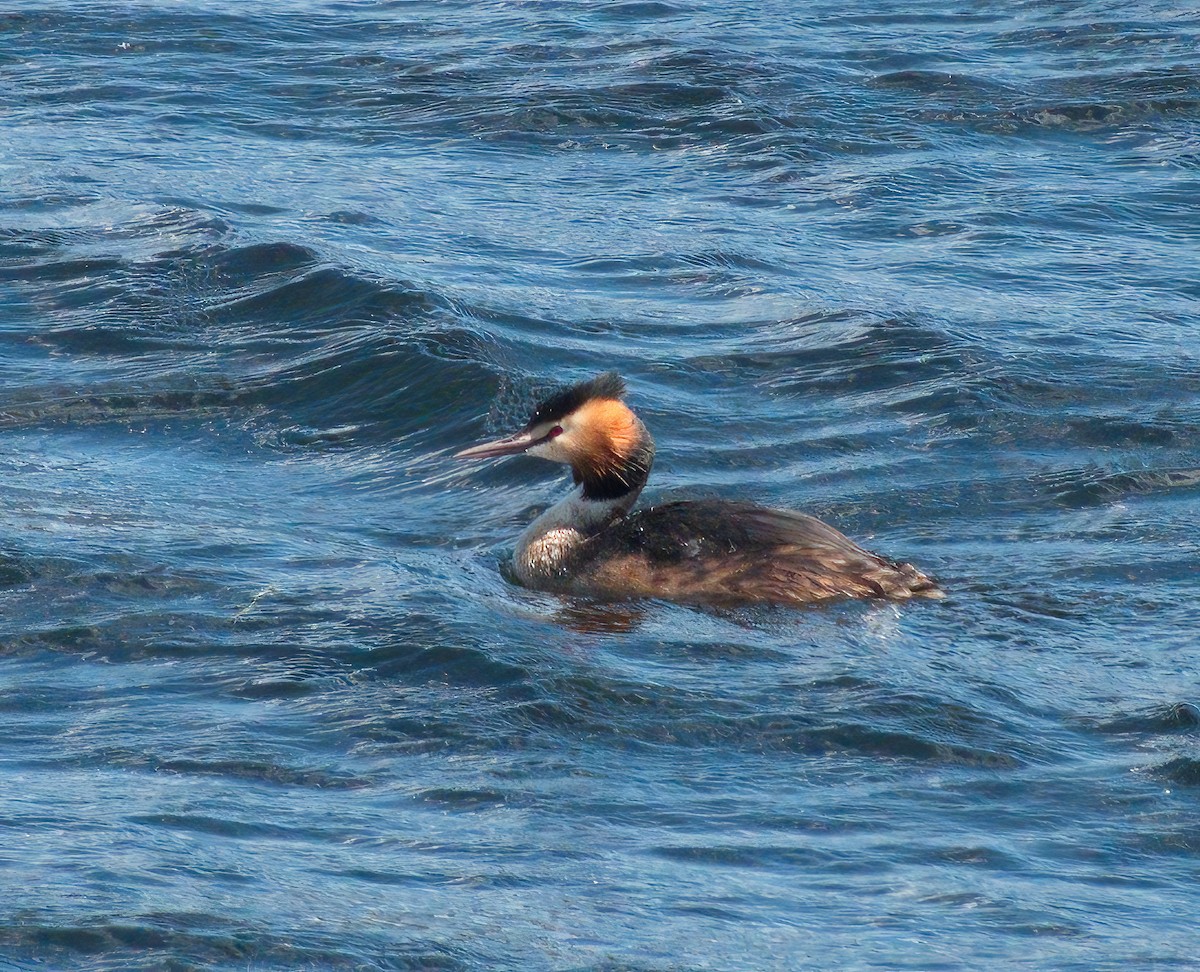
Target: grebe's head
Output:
[{"x": 588, "y": 427}]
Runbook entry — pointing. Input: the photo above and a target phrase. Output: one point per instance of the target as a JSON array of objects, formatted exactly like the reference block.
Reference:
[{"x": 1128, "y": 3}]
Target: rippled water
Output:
[{"x": 267, "y": 700}]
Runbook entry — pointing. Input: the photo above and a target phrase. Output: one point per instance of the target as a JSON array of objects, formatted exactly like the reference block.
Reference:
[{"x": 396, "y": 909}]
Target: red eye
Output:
[{"x": 556, "y": 431}]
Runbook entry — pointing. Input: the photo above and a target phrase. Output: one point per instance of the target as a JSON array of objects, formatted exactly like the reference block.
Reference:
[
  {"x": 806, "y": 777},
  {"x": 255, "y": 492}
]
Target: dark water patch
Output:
[
  {"x": 1110, "y": 430},
  {"x": 1098, "y": 34},
  {"x": 42, "y": 203},
  {"x": 279, "y": 688},
  {"x": 93, "y": 94},
  {"x": 98, "y": 241},
  {"x": 1083, "y": 488},
  {"x": 123, "y": 40},
  {"x": 346, "y": 217},
  {"x": 641, "y": 10},
  {"x": 122, "y": 577},
  {"x": 692, "y": 268},
  {"x": 1129, "y": 114},
  {"x": 650, "y": 102},
  {"x": 368, "y": 343},
  {"x": 624, "y": 966},
  {"x": 426, "y": 878},
  {"x": 158, "y": 939},
  {"x": 124, "y": 407},
  {"x": 121, "y": 633},
  {"x": 85, "y": 269},
  {"x": 1061, "y": 118},
  {"x": 1030, "y": 616},
  {"x": 14, "y": 571},
  {"x": 418, "y": 733},
  {"x": 464, "y": 800},
  {"x": 462, "y": 664},
  {"x": 901, "y": 728},
  {"x": 1155, "y": 840},
  {"x": 367, "y": 381},
  {"x": 238, "y": 829},
  {"x": 239, "y": 266},
  {"x": 974, "y": 856},
  {"x": 397, "y": 878},
  {"x": 1182, "y": 771},
  {"x": 249, "y": 771},
  {"x": 154, "y": 583},
  {"x": 870, "y": 740},
  {"x": 824, "y": 354},
  {"x": 715, "y": 66},
  {"x": 926, "y": 82},
  {"x": 755, "y": 857},
  {"x": 1178, "y": 717},
  {"x": 325, "y": 294}
]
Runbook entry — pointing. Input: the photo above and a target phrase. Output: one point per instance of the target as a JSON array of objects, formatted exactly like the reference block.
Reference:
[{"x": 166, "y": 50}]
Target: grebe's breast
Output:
[{"x": 719, "y": 551}]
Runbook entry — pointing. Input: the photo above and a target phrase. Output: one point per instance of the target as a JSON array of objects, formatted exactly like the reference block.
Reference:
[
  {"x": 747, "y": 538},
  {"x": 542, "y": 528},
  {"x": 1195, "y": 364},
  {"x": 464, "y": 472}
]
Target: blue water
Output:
[{"x": 267, "y": 700}]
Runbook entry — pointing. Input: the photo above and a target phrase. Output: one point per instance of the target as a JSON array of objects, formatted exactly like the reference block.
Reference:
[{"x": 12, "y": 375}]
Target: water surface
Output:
[{"x": 266, "y": 697}]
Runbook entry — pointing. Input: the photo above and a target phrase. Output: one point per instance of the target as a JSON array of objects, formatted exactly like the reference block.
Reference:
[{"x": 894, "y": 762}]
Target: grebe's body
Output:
[{"x": 704, "y": 551}]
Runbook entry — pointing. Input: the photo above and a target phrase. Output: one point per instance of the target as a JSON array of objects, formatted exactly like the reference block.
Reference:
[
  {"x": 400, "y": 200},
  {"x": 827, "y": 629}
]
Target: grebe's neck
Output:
[{"x": 544, "y": 553}]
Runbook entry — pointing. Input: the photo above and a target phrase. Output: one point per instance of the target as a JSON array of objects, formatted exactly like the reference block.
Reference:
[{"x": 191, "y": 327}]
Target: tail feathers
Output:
[{"x": 903, "y": 581}]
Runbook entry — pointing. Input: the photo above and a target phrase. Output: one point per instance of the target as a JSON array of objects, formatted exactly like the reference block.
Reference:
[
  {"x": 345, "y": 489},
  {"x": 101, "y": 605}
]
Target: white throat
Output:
[{"x": 543, "y": 554}]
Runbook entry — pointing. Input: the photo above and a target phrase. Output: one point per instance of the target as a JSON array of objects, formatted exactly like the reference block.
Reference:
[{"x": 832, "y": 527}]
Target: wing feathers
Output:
[{"x": 714, "y": 550}]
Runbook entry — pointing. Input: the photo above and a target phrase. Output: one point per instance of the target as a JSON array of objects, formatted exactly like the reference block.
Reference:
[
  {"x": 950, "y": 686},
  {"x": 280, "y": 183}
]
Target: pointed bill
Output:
[{"x": 510, "y": 446}]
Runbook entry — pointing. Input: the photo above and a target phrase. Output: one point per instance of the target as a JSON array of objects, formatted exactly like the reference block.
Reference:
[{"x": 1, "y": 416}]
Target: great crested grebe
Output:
[{"x": 707, "y": 551}]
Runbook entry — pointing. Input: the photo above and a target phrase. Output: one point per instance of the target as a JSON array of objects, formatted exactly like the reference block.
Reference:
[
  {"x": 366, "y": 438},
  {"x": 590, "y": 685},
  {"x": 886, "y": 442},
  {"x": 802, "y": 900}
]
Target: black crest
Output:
[{"x": 566, "y": 400}]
